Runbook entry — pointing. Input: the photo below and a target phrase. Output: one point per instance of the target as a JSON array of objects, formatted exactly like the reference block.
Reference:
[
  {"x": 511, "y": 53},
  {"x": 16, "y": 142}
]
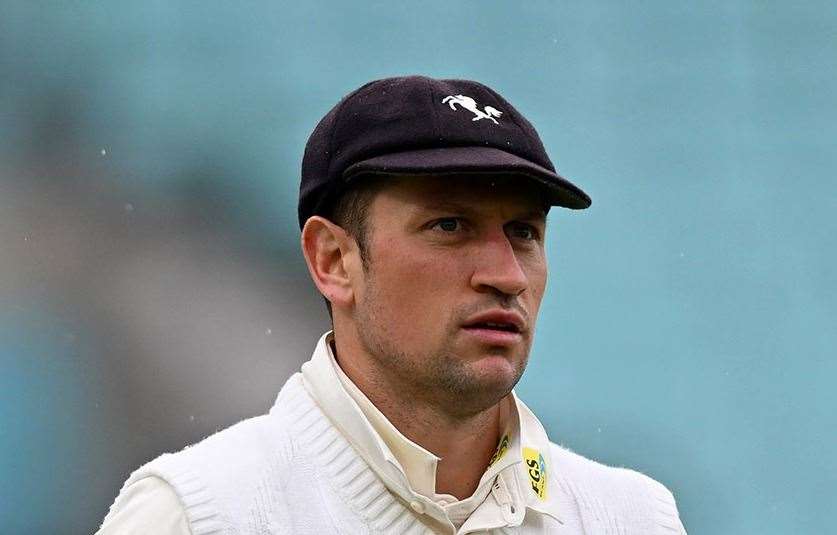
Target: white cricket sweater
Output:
[{"x": 293, "y": 471}]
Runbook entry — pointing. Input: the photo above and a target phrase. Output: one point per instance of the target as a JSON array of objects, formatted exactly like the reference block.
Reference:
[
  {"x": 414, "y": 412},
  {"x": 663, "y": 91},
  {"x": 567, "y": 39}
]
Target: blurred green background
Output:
[{"x": 151, "y": 285}]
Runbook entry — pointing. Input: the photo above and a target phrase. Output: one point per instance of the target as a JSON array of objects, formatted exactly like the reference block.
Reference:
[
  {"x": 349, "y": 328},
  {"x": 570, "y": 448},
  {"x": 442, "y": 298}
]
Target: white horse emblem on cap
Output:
[{"x": 471, "y": 105}]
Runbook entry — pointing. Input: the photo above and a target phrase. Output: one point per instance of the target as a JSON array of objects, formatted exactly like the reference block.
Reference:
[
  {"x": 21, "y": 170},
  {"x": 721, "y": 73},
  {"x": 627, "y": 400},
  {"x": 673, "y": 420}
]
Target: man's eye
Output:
[
  {"x": 448, "y": 224},
  {"x": 523, "y": 231}
]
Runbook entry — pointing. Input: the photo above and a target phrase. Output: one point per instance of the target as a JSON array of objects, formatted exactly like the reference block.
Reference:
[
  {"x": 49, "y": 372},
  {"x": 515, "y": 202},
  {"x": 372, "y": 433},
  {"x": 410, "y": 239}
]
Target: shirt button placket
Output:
[{"x": 504, "y": 500}]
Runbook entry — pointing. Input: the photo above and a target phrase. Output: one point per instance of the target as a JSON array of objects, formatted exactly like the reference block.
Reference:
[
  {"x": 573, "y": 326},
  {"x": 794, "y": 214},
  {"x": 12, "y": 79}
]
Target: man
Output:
[{"x": 423, "y": 212}]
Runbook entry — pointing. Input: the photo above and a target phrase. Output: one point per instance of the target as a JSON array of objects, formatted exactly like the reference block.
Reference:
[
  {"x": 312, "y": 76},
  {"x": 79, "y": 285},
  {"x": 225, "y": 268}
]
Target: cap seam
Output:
[
  {"x": 337, "y": 115},
  {"x": 523, "y": 133},
  {"x": 331, "y": 135},
  {"x": 433, "y": 112},
  {"x": 525, "y": 137}
]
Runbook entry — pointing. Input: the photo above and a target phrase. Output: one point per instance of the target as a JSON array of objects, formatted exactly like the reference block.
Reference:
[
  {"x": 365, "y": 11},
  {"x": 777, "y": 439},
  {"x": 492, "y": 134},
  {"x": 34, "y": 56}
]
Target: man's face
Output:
[{"x": 456, "y": 273}]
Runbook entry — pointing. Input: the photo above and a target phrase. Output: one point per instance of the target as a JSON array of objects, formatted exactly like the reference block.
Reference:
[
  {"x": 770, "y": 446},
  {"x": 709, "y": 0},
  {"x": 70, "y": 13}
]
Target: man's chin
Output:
[{"x": 496, "y": 372}]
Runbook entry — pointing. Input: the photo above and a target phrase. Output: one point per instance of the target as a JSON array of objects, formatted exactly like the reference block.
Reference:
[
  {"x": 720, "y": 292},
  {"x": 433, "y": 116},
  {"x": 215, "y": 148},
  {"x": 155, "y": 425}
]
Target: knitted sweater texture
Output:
[{"x": 291, "y": 471}]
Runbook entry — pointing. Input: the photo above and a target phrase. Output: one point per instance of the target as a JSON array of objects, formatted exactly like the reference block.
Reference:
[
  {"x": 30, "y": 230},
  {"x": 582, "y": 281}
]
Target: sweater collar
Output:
[
  {"x": 418, "y": 464},
  {"x": 323, "y": 383},
  {"x": 518, "y": 476}
]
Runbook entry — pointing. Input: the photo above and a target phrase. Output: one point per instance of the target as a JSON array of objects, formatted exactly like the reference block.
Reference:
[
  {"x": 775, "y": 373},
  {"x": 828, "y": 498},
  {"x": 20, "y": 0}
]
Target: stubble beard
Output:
[{"x": 438, "y": 376}]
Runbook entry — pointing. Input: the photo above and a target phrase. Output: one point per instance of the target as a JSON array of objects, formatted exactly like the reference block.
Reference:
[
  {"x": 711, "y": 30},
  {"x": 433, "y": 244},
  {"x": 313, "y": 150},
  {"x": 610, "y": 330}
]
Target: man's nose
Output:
[{"x": 498, "y": 268}]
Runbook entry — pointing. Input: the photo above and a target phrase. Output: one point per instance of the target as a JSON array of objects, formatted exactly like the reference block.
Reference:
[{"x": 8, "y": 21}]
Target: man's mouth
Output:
[
  {"x": 496, "y": 327},
  {"x": 508, "y": 327},
  {"x": 498, "y": 319}
]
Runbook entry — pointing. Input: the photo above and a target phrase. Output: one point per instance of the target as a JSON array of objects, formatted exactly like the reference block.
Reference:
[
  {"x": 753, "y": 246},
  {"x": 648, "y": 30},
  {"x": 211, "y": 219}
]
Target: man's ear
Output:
[{"x": 327, "y": 248}]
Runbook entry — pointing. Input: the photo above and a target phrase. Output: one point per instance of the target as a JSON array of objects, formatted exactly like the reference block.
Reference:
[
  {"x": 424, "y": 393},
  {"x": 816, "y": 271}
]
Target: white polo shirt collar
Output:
[{"x": 508, "y": 487}]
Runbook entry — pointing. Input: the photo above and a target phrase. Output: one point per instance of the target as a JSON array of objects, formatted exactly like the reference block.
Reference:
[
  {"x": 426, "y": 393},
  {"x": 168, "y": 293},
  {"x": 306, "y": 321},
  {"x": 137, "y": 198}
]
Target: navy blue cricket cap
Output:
[{"x": 415, "y": 125}]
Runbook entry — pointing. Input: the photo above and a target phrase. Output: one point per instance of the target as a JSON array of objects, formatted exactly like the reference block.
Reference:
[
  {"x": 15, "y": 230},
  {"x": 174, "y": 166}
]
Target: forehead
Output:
[{"x": 477, "y": 192}]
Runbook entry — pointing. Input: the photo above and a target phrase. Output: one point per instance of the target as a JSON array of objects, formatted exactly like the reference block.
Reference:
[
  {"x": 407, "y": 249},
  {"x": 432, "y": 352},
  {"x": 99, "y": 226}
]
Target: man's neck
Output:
[{"x": 464, "y": 443}]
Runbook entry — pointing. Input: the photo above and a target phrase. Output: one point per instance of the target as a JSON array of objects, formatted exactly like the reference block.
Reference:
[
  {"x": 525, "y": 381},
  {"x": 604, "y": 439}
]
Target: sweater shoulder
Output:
[{"x": 623, "y": 492}]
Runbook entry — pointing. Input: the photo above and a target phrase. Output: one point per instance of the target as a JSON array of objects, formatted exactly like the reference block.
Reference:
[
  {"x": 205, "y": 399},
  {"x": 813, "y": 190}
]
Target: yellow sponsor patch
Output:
[
  {"x": 501, "y": 450},
  {"x": 536, "y": 467}
]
